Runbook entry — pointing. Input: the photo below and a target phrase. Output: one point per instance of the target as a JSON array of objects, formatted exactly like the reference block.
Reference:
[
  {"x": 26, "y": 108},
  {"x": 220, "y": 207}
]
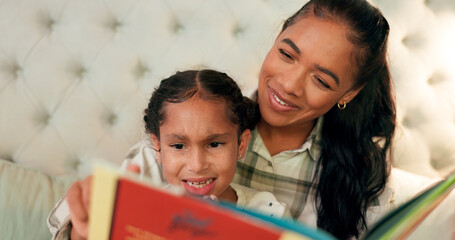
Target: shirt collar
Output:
[{"x": 313, "y": 142}]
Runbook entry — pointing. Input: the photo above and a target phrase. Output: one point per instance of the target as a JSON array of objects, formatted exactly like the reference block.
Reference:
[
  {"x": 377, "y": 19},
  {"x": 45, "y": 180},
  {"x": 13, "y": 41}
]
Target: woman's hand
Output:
[{"x": 78, "y": 198}]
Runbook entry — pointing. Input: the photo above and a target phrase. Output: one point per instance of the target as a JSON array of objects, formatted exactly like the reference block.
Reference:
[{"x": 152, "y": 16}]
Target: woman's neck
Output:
[{"x": 279, "y": 139}]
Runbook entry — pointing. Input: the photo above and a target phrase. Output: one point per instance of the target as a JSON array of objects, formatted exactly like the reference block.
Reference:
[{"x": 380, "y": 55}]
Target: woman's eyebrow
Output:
[
  {"x": 292, "y": 45},
  {"x": 328, "y": 72},
  {"x": 317, "y": 66}
]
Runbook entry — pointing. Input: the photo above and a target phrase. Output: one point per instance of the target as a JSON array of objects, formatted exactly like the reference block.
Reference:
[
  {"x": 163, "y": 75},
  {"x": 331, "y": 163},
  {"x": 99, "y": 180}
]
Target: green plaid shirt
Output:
[{"x": 288, "y": 174}]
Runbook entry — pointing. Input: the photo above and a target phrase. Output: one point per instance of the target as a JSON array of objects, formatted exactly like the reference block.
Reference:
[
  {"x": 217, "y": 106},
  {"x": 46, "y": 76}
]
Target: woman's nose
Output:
[
  {"x": 197, "y": 161},
  {"x": 293, "y": 82}
]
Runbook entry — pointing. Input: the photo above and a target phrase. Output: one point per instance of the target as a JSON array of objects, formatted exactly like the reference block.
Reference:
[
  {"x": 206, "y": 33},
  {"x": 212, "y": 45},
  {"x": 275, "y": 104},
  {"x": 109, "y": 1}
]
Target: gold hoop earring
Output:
[{"x": 341, "y": 107}]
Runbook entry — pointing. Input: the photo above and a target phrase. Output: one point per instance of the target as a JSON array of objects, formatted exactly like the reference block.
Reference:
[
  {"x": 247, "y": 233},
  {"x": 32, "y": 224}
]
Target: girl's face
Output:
[
  {"x": 308, "y": 70},
  {"x": 199, "y": 146}
]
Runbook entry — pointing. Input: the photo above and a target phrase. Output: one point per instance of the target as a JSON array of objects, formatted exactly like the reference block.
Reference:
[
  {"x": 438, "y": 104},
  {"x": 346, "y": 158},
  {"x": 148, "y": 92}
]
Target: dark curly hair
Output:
[
  {"x": 353, "y": 167},
  {"x": 210, "y": 85}
]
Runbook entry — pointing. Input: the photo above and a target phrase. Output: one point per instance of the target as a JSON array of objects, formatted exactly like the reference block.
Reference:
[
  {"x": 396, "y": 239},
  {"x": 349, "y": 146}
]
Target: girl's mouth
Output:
[{"x": 199, "y": 186}]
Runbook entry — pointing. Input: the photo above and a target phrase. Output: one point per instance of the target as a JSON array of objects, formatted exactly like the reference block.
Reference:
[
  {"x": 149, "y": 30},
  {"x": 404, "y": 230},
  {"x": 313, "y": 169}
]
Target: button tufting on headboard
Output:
[
  {"x": 176, "y": 27},
  {"x": 413, "y": 41},
  {"x": 238, "y": 31},
  {"x": 42, "y": 118},
  {"x": 13, "y": 70}
]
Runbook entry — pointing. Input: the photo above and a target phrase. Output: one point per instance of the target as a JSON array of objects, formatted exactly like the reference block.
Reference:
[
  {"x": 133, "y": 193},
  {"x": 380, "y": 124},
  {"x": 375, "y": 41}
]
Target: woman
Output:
[
  {"x": 325, "y": 89},
  {"x": 327, "y": 120}
]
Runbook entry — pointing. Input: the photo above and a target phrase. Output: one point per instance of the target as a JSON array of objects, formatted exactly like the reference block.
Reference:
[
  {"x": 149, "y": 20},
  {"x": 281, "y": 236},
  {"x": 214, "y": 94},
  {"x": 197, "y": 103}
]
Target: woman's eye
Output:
[
  {"x": 177, "y": 146},
  {"x": 215, "y": 144},
  {"x": 285, "y": 54},
  {"x": 325, "y": 85}
]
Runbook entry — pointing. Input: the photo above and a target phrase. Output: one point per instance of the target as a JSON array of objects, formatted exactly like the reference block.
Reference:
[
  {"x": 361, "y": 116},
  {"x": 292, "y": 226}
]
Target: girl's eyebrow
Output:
[
  {"x": 208, "y": 138},
  {"x": 215, "y": 136},
  {"x": 176, "y": 136},
  {"x": 292, "y": 45}
]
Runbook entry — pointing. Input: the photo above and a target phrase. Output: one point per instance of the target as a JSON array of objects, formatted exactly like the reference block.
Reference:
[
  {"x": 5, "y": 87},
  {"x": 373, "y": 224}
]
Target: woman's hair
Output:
[
  {"x": 209, "y": 85},
  {"x": 353, "y": 167}
]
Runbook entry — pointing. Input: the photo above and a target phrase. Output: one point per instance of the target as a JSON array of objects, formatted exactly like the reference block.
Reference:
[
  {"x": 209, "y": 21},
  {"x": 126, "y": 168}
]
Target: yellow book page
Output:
[{"x": 104, "y": 184}]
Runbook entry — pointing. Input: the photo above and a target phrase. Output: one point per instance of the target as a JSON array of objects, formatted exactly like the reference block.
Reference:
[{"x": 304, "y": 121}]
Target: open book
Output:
[{"x": 125, "y": 207}]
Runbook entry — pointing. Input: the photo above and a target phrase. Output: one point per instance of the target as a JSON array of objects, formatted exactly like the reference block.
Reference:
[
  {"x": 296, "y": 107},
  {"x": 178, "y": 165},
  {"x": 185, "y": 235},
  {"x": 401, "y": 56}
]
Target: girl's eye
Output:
[
  {"x": 177, "y": 146},
  {"x": 285, "y": 54},
  {"x": 320, "y": 81},
  {"x": 215, "y": 144}
]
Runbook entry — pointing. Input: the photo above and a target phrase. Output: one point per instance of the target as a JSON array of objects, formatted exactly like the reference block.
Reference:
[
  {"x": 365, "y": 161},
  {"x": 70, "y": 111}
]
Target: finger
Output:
[
  {"x": 78, "y": 213},
  {"x": 86, "y": 187},
  {"x": 75, "y": 235},
  {"x": 133, "y": 168},
  {"x": 214, "y": 198}
]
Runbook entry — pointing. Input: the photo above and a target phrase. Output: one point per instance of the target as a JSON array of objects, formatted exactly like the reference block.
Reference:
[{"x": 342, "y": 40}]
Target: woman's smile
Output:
[{"x": 280, "y": 104}]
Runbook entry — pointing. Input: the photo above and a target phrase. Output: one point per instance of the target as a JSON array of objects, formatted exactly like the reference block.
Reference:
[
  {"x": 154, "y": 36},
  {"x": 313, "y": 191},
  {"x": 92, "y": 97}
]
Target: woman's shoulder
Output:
[{"x": 382, "y": 205}]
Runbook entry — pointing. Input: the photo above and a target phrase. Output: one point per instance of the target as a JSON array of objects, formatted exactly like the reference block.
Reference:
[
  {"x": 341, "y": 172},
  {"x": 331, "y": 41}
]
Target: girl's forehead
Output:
[
  {"x": 196, "y": 120},
  {"x": 198, "y": 101},
  {"x": 197, "y": 111}
]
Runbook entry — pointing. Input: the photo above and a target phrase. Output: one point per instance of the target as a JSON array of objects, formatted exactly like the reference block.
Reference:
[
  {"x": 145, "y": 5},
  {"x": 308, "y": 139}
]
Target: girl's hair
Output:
[
  {"x": 209, "y": 85},
  {"x": 353, "y": 167}
]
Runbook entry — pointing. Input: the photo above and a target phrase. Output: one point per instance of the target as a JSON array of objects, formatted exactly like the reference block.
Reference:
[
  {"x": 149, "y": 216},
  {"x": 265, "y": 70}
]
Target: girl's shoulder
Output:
[{"x": 144, "y": 156}]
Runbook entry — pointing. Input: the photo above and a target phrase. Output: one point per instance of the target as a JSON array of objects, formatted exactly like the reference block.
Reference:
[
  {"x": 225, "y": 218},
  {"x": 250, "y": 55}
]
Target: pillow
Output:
[{"x": 27, "y": 197}]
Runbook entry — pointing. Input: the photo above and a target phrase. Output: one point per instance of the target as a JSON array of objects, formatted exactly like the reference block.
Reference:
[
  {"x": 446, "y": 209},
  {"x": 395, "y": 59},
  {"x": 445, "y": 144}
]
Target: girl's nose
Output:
[{"x": 197, "y": 161}]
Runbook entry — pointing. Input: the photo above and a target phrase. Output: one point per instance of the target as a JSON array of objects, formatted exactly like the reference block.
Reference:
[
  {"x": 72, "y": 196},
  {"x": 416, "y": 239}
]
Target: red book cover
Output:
[
  {"x": 142, "y": 212},
  {"x": 125, "y": 208}
]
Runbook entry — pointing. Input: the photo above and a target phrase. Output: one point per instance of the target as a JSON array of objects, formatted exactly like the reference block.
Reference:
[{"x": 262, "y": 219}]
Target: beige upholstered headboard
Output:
[{"x": 75, "y": 75}]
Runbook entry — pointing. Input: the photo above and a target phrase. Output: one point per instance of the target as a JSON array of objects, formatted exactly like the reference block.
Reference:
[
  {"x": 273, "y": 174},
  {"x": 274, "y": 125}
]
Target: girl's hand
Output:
[
  {"x": 210, "y": 197},
  {"x": 78, "y": 198},
  {"x": 133, "y": 168}
]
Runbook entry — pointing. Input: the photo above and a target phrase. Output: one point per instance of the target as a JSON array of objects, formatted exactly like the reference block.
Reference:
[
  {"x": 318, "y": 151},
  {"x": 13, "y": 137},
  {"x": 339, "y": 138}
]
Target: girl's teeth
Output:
[
  {"x": 279, "y": 100},
  {"x": 199, "y": 184}
]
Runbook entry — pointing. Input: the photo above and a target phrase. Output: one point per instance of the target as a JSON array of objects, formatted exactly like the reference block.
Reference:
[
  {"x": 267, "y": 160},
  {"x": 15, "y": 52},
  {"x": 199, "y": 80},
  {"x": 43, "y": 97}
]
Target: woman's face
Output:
[
  {"x": 199, "y": 146},
  {"x": 308, "y": 70}
]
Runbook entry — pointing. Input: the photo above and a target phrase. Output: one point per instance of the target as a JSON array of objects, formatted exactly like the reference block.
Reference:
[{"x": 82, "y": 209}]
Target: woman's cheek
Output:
[{"x": 318, "y": 99}]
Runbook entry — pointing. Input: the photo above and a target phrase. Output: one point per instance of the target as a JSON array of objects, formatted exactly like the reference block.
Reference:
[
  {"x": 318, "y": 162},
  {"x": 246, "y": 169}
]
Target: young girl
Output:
[{"x": 199, "y": 125}]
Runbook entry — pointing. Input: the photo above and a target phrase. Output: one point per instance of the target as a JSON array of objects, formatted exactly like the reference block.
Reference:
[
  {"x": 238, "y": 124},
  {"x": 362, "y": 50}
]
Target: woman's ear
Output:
[
  {"x": 156, "y": 147},
  {"x": 349, "y": 95},
  {"x": 244, "y": 140}
]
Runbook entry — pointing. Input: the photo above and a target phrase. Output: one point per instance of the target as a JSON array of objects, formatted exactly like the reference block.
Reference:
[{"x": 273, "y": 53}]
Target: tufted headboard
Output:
[{"x": 75, "y": 75}]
